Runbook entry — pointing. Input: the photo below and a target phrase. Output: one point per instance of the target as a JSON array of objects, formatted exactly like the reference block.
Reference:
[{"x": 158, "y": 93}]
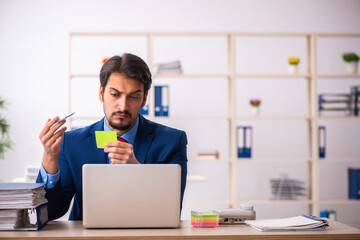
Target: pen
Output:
[
  {"x": 62, "y": 119},
  {"x": 313, "y": 218}
]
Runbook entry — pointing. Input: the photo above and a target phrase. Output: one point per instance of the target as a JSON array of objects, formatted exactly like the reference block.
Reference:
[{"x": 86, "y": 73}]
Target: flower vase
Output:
[
  {"x": 293, "y": 69},
  {"x": 255, "y": 111},
  {"x": 351, "y": 68}
]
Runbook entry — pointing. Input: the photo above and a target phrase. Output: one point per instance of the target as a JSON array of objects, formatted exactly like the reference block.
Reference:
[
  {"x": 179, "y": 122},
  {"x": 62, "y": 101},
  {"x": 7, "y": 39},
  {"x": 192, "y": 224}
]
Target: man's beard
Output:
[{"x": 120, "y": 126}]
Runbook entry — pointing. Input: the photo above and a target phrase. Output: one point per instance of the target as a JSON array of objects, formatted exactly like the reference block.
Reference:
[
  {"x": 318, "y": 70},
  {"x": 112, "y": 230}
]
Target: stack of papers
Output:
[
  {"x": 304, "y": 223},
  {"x": 21, "y": 206},
  {"x": 21, "y": 195},
  {"x": 16, "y": 219},
  {"x": 286, "y": 188},
  {"x": 169, "y": 67}
]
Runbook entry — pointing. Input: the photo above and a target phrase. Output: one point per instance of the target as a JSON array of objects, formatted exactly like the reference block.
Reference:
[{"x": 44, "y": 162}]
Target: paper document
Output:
[
  {"x": 103, "y": 137},
  {"x": 303, "y": 222}
]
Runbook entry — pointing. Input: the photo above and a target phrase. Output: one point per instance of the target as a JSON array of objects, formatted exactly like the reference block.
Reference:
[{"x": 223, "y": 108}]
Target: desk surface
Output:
[{"x": 75, "y": 230}]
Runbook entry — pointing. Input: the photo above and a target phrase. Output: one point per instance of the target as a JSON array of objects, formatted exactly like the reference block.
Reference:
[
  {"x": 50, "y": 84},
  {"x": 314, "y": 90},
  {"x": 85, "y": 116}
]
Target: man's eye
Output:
[
  {"x": 115, "y": 94},
  {"x": 135, "y": 97}
]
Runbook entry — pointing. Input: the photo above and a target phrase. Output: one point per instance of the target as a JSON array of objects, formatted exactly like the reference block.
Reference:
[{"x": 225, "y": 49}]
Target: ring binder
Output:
[
  {"x": 322, "y": 141},
  {"x": 244, "y": 142},
  {"x": 162, "y": 100},
  {"x": 22, "y": 206}
]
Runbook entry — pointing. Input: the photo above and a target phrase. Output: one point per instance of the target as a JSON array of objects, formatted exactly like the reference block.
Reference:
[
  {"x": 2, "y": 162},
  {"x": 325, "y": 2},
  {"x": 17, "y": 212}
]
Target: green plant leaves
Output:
[
  {"x": 5, "y": 142},
  {"x": 350, "y": 57}
]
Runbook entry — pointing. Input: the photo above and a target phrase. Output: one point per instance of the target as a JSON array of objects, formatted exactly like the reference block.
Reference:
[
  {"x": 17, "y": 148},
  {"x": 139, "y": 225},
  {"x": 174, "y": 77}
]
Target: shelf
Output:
[
  {"x": 196, "y": 178},
  {"x": 338, "y": 159},
  {"x": 86, "y": 118},
  {"x": 339, "y": 201},
  {"x": 206, "y": 202},
  {"x": 273, "y": 76},
  {"x": 269, "y": 201},
  {"x": 175, "y": 75},
  {"x": 273, "y": 118},
  {"x": 160, "y": 118},
  {"x": 339, "y": 76},
  {"x": 230, "y": 77},
  {"x": 268, "y": 34},
  {"x": 196, "y": 160},
  {"x": 275, "y": 159},
  {"x": 80, "y": 75},
  {"x": 339, "y": 118},
  {"x": 189, "y": 118}
]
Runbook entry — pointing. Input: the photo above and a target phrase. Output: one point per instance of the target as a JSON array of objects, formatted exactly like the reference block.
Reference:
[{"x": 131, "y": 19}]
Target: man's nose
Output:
[{"x": 122, "y": 103}]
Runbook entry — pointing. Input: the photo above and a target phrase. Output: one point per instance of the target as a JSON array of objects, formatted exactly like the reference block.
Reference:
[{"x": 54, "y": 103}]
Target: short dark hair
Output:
[{"x": 130, "y": 66}]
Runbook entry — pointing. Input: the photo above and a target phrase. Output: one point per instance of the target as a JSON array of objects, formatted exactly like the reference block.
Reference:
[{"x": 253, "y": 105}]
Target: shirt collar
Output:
[{"x": 129, "y": 136}]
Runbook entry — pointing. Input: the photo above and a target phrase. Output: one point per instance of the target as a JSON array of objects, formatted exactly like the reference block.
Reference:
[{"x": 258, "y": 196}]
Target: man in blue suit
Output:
[{"x": 125, "y": 81}]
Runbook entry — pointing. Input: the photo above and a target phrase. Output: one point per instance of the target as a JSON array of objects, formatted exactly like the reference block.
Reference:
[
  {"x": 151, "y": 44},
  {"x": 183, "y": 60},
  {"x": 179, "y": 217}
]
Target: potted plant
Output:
[
  {"x": 351, "y": 62},
  {"x": 293, "y": 65},
  {"x": 255, "y": 107},
  {"x": 4, "y": 132}
]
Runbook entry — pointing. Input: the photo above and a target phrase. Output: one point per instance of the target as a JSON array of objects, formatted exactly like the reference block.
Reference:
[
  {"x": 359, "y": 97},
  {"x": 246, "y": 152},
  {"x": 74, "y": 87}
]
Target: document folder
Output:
[
  {"x": 162, "y": 100},
  {"x": 322, "y": 141},
  {"x": 23, "y": 206},
  {"x": 244, "y": 134}
]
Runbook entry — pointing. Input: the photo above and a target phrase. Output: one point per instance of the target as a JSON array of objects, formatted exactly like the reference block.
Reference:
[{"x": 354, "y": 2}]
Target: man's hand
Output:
[
  {"x": 51, "y": 137},
  {"x": 120, "y": 153}
]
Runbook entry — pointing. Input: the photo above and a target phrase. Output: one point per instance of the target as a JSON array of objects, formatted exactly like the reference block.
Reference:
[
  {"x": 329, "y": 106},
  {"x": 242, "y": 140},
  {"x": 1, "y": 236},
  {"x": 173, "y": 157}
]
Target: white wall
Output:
[{"x": 34, "y": 46}]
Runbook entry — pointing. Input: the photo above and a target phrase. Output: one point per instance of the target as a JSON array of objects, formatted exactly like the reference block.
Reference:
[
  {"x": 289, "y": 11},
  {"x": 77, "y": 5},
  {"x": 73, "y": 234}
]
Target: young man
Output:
[{"x": 125, "y": 82}]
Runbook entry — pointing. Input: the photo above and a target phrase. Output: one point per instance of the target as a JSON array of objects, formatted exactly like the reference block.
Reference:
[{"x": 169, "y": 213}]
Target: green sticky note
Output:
[{"x": 103, "y": 137}]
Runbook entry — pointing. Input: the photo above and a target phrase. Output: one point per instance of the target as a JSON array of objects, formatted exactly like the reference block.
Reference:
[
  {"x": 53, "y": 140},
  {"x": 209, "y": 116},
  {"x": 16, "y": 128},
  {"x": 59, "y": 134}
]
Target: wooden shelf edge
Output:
[
  {"x": 339, "y": 159},
  {"x": 339, "y": 201},
  {"x": 175, "y": 75},
  {"x": 274, "y": 159},
  {"x": 273, "y": 201},
  {"x": 335, "y": 76},
  {"x": 272, "y": 76},
  {"x": 339, "y": 117},
  {"x": 273, "y": 118},
  {"x": 205, "y": 202},
  {"x": 195, "y": 160},
  {"x": 190, "y": 118}
]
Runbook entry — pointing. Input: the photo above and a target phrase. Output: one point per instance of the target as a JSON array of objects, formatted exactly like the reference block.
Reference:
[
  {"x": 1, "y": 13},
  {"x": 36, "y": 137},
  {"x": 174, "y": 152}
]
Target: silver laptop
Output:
[{"x": 131, "y": 195}]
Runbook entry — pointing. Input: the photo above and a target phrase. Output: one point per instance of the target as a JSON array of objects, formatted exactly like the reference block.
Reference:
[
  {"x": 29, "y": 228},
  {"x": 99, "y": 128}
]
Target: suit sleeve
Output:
[
  {"x": 59, "y": 197},
  {"x": 179, "y": 156}
]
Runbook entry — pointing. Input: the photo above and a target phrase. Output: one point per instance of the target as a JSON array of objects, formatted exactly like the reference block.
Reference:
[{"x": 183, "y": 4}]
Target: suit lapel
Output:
[
  {"x": 98, "y": 154},
  {"x": 143, "y": 139}
]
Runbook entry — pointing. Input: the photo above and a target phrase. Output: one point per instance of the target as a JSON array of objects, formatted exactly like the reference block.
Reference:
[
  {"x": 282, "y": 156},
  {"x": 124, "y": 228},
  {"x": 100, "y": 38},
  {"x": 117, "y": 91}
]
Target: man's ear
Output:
[
  {"x": 144, "y": 101},
  {"x": 101, "y": 93}
]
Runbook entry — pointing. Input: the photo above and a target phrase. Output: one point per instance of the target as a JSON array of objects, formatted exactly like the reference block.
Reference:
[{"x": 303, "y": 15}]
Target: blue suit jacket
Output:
[{"x": 154, "y": 143}]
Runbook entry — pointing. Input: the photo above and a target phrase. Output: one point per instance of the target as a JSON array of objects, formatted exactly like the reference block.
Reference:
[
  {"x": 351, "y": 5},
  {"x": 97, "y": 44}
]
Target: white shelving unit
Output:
[{"x": 231, "y": 77}]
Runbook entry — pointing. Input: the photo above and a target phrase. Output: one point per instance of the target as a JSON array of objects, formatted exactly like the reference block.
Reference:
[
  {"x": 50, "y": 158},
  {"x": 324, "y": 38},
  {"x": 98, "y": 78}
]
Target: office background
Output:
[{"x": 34, "y": 57}]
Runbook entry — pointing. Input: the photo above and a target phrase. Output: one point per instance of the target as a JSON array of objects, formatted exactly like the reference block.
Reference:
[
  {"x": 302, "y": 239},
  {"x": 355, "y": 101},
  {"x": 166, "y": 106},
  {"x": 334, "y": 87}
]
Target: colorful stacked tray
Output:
[{"x": 205, "y": 219}]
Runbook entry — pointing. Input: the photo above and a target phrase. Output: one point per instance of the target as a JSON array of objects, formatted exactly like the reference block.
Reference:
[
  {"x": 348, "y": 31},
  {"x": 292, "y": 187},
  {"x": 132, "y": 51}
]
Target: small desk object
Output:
[{"x": 75, "y": 230}]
